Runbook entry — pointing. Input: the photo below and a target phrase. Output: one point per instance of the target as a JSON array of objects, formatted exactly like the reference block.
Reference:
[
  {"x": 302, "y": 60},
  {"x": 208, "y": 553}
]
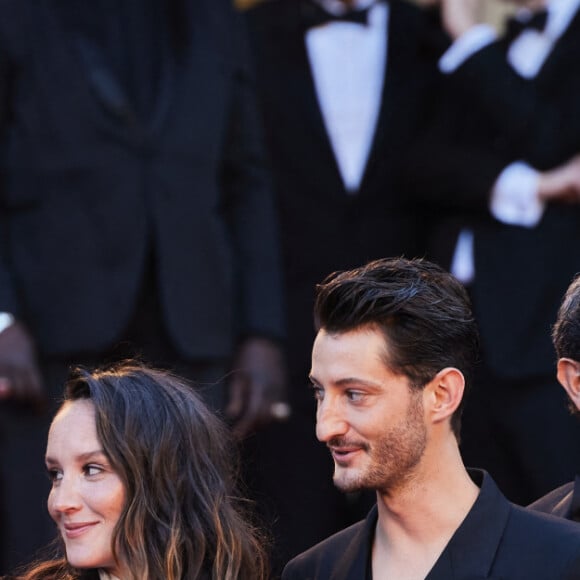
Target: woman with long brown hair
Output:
[{"x": 143, "y": 484}]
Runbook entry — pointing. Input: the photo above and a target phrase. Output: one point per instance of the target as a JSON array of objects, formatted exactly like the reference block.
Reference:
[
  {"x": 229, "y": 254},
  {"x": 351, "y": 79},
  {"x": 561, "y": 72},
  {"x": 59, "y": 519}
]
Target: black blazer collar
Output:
[{"x": 470, "y": 553}]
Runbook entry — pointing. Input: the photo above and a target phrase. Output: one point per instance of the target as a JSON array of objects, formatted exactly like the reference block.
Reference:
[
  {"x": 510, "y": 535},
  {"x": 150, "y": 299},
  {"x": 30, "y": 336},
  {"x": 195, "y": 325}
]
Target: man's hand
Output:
[
  {"x": 257, "y": 386},
  {"x": 561, "y": 184},
  {"x": 19, "y": 375},
  {"x": 458, "y": 16}
]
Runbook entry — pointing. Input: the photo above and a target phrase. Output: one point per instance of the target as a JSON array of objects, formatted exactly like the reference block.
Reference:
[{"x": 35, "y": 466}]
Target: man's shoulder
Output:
[
  {"x": 543, "y": 529},
  {"x": 513, "y": 542},
  {"x": 558, "y": 502},
  {"x": 539, "y": 542},
  {"x": 319, "y": 560}
]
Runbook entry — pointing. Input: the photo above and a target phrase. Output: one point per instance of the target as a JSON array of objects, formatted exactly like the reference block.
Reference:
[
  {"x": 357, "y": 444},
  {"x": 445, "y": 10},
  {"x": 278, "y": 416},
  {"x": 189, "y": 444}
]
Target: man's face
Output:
[{"x": 370, "y": 419}]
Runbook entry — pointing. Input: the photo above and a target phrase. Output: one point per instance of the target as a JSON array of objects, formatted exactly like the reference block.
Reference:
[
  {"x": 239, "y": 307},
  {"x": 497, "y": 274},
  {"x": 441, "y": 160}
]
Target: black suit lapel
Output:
[
  {"x": 395, "y": 44},
  {"x": 564, "y": 55},
  {"x": 108, "y": 91},
  {"x": 353, "y": 563},
  {"x": 301, "y": 92},
  {"x": 104, "y": 86},
  {"x": 401, "y": 76},
  {"x": 472, "y": 551}
]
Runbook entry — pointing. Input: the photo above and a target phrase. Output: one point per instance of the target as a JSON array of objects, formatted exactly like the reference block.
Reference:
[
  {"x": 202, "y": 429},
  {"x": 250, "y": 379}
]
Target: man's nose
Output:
[{"x": 330, "y": 420}]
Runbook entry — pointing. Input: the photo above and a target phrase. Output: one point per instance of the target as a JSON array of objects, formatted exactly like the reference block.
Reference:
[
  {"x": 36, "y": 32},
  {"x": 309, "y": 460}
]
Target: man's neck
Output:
[{"x": 416, "y": 523}]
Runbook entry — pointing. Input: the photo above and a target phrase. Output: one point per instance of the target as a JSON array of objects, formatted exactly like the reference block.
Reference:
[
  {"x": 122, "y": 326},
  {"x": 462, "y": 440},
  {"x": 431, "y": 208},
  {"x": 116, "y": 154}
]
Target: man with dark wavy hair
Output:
[
  {"x": 390, "y": 364},
  {"x": 565, "y": 500}
]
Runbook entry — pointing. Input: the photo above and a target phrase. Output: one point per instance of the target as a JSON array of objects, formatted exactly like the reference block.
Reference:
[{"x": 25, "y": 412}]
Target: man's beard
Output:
[{"x": 393, "y": 458}]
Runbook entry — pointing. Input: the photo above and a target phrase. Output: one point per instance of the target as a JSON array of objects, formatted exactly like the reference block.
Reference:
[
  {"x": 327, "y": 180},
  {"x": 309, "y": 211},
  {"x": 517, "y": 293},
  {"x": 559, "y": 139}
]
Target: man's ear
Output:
[
  {"x": 443, "y": 394},
  {"x": 569, "y": 377}
]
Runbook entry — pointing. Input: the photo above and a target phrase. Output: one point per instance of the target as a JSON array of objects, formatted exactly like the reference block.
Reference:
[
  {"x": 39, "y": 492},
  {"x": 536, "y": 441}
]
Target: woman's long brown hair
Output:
[{"x": 183, "y": 517}]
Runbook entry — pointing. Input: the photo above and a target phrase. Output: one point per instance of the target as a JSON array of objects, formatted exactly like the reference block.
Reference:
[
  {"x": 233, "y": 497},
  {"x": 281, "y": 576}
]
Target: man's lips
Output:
[
  {"x": 345, "y": 453},
  {"x": 77, "y": 529}
]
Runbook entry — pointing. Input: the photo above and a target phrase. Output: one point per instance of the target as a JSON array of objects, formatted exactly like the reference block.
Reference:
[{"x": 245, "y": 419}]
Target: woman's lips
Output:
[{"x": 75, "y": 530}]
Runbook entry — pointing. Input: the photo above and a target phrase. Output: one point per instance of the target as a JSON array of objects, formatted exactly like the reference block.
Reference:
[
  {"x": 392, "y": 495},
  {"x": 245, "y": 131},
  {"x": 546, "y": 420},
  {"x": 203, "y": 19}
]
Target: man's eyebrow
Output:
[{"x": 347, "y": 381}]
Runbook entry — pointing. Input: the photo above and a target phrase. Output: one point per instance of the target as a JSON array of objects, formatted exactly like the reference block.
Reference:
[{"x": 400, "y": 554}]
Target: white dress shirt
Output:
[
  {"x": 348, "y": 63},
  {"x": 514, "y": 197}
]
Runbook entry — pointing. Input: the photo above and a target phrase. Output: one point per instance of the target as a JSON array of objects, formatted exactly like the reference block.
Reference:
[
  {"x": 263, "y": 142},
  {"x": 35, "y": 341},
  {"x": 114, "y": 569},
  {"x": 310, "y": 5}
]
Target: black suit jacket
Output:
[
  {"x": 323, "y": 227},
  {"x": 490, "y": 117},
  {"x": 563, "y": 502},
  {"x": 88, "y": 190},
  {"x": 497, "y": 540}
]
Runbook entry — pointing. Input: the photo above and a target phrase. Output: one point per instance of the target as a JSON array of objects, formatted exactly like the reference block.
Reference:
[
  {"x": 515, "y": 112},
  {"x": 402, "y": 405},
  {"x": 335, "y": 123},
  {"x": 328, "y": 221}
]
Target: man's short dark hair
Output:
[
  {"x": 566, "y": 331},
  {"x": 423, "y": 312}
]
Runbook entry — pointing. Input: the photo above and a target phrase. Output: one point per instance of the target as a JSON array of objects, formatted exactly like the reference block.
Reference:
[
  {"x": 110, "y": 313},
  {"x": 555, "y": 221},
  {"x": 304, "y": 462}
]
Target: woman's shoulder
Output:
[{"x": 54, "y": 570}]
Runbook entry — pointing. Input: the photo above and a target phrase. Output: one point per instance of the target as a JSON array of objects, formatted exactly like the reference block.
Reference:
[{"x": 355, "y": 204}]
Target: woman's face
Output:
[{"x": 87, "y": 495}]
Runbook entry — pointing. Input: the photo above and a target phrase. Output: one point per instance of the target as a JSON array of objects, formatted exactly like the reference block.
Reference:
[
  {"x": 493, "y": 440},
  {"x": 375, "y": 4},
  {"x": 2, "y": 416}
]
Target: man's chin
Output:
[{"x": 348, "y": 483}]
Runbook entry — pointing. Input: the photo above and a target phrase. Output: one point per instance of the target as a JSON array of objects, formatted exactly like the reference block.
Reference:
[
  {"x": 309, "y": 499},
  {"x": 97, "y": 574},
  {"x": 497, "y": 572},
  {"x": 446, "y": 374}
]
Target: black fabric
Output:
[
  {"x": 496, "y": 540},
  {"x": 91, "y": 187},
  {"x": 325, "y": 228},
  {"x": 563, "y": 502},
  {"x": 313, "y": 14},
  {"x": 131, "y": 35},
  {"x": 515, "y": 26},
  {"x": 490, "y": 117}
]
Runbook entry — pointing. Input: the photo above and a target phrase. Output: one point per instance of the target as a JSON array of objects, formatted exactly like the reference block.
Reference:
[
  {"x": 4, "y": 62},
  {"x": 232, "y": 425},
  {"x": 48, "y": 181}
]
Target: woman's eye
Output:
[
  {"x": 91, "y": 470},
  {"x": 54, "y": 475}
]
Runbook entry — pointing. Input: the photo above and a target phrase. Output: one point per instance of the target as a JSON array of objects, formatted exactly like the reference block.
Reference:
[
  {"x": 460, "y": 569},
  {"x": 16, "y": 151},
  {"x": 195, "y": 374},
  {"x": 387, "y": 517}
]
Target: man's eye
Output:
[
  {"x": 355, "y": 396},
  {"x": 318, "y": 392}
]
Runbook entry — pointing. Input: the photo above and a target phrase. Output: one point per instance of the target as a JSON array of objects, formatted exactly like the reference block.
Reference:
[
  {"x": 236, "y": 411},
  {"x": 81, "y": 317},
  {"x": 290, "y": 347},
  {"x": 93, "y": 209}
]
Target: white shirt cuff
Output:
[
  {"x": 514, "y": 197},
  {"x": 466, "y": 45},
  {"x": 462, "y": 266}
]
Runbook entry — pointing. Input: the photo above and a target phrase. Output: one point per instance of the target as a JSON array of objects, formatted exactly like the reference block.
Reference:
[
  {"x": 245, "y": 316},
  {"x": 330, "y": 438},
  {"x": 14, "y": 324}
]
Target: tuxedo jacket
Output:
[
  {"x": 89, "y": 190},
  {"x": 323, "y": 227},
  {"x": 490, "y": 117},
  {"x": 496, "y": 540},
  {"x": 563, "y": 502}
]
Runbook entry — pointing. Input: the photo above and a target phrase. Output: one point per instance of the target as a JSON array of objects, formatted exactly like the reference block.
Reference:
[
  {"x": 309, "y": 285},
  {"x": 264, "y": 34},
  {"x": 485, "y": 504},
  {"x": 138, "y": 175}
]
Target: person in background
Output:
[
  {"x": 143, "y": 483},
  {"x": 392, "y": 359},
  {"x": 502, "y": 159},
  {"x": 565, "y": 500},
  {"x": 344, "y": 88},
  {"x": 136, "y": 219}
]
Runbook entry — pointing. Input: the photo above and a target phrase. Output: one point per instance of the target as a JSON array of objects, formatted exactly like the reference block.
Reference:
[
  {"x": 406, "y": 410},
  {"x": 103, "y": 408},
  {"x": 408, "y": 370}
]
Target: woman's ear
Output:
[
  {"x": 443, "y": 394},
  {"x": 569, "y": 377}
]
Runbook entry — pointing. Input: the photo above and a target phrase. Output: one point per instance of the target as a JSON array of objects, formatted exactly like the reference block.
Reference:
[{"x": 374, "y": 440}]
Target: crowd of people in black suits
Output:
[{"x": 177, "y": 177}]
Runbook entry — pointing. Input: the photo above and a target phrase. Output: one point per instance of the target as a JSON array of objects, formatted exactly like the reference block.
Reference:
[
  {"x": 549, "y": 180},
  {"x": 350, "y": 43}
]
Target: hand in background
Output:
[
  {"x": 561, "y": 184},
  {"x": 257, "y": 386},
  {"x": 20, "y": 379}
]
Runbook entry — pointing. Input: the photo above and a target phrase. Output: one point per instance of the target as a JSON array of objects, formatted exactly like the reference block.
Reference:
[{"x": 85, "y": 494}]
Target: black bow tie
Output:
[
  {"x": 514, "y": 26},
  {"x": 314, "y": 15}
]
